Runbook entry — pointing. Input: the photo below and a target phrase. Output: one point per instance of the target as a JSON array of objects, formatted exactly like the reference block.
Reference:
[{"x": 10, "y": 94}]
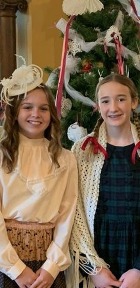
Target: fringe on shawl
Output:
[{"x": 73, "y": 275}]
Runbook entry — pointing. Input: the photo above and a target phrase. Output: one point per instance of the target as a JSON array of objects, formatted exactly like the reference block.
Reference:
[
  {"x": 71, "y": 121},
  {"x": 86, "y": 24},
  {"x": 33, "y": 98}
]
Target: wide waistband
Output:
[{"x": 28, "y": 225}]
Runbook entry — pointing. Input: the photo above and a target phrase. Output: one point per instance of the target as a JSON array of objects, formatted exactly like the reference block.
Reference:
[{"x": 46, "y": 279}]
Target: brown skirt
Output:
[{"x": 30, "y": 240}]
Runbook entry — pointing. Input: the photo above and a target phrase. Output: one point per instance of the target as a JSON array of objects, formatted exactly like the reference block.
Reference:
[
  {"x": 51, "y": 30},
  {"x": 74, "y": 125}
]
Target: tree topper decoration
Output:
[{"x": 79, "y": 7}]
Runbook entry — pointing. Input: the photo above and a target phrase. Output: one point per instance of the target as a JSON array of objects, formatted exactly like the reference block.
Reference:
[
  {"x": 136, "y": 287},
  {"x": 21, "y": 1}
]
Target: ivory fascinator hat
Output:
[{"x": 23, "y": 80}]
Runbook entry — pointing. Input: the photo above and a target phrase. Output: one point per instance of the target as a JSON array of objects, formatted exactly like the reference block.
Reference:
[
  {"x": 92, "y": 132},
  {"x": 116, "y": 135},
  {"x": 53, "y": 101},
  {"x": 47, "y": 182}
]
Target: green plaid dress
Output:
[{"x": 117, "y": 219}]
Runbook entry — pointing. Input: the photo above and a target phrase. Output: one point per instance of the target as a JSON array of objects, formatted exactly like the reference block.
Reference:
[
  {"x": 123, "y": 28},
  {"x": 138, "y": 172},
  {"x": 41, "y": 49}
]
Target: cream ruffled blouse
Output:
[{"x": 38, "y": 191}]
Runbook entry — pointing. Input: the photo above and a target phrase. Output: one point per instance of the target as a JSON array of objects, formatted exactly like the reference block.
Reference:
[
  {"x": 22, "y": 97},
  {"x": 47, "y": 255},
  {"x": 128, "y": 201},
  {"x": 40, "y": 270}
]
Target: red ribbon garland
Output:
[
  {"x": 134, "y": 8},
  {"x": 62, "y": 69},
  {"x": 96, "y": 146},
  {"x": 119, "y": 54},
  {"x": 133, "y": 156}
]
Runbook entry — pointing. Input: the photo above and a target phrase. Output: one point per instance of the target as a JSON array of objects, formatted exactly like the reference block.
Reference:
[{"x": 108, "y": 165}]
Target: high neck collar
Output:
[{"x": 29, "y": 141}]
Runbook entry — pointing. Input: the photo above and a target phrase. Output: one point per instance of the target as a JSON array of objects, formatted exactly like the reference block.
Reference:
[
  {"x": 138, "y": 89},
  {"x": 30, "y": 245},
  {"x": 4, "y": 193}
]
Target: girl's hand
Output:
[
  {"x": 130, "y": 279},
  {"x": 44, "y": 279},
  {"x": 26, "y": 278},
  {"x": 105, "y": 279}
]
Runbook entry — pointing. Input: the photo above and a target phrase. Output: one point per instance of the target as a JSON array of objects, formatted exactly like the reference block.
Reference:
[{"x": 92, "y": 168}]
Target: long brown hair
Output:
[{"x": 10, "y": 140}]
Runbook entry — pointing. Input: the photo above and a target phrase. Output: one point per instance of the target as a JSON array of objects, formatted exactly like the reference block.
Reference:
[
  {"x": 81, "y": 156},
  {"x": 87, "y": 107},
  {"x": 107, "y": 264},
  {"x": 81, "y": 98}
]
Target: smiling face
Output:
[
  {"x": 115, "y": 104},
  {"x": 34, "y": 114}
]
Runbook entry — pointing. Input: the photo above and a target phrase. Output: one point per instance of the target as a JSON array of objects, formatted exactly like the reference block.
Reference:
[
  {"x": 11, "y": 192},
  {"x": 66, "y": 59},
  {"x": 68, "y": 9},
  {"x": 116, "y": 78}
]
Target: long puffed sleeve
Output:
[
  {"x": 58, "y": 256},
  {"x": 10, "y": 264}
]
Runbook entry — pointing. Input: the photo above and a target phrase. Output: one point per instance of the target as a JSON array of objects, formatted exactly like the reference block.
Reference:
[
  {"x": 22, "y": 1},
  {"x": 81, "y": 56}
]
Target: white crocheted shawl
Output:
[{"x": 82, "y": 238}]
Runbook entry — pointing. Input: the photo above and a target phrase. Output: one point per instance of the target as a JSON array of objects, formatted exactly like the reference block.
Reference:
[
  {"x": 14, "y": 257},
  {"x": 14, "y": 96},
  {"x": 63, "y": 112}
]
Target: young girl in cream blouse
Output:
[{"x": 38, "y": 186}]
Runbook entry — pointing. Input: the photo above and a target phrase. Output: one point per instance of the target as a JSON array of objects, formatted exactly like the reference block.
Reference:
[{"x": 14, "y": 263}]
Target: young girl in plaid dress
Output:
[
  {"x": 38, "y": 186},
  {"x": 106, "y": 233}
]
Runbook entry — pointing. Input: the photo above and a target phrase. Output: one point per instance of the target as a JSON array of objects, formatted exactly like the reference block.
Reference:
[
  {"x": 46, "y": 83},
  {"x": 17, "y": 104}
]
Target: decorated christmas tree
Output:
[{"x": 100, "y": 37}]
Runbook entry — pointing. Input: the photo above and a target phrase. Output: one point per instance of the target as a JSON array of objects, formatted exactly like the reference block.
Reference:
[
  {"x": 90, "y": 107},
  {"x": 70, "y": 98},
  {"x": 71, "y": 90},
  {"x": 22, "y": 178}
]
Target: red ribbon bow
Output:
[
  {"x": 96, "y": 146},
  {"x": 133, "y": 156}
]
